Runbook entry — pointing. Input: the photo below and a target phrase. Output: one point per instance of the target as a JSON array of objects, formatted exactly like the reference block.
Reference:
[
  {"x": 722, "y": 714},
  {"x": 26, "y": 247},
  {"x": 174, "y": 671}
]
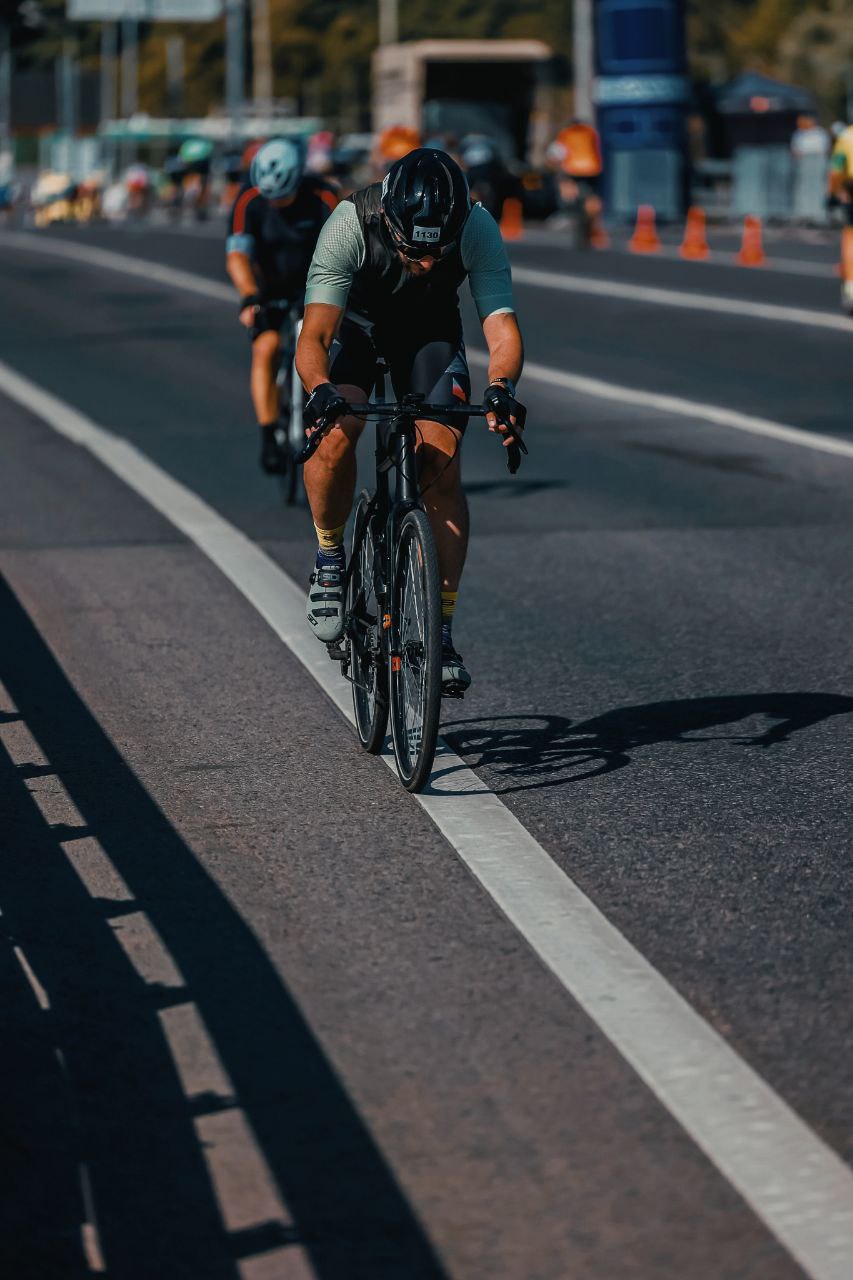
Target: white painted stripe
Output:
[
  {"x": 38, "y": 990},
  {"x": 793, "y": 1181},
  {"x": 636, "y": 398},
  {"x": 632, "y": 396},
  {"x": 619, "y": 289},
  {"x": 153, "y": 272},
  {"x": 816, "y": 268},
  {"x": 625, "y": 292}
]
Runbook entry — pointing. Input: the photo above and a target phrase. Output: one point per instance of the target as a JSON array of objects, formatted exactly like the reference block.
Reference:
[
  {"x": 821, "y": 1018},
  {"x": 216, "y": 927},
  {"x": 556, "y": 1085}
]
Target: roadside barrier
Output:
[
  {"x": 512, "y": 223},
  {"x": 694, "y": 246},
  {"x": 751, "y": 250},
  {"x": 645, "y": 238}
]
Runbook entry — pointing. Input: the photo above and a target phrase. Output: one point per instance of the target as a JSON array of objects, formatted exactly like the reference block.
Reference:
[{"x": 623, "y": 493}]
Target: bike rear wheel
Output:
[
  {"x": 367, "y": 659},
  {"x": 415, "y": 677}
]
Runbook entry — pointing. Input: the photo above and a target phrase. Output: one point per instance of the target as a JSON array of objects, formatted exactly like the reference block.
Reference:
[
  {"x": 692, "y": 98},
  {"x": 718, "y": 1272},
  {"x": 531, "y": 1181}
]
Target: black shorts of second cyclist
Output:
[
  {"x": 272, "y": 316},
  {"x": 430, "y": 363}
]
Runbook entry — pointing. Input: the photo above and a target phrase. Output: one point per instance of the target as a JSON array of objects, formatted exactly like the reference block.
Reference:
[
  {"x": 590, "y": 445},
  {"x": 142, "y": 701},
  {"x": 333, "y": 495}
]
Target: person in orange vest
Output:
[
  {"x": 575, "y": 158},
  {"x": 394, "y": 143},
  {"x": 581, "y": 153}
]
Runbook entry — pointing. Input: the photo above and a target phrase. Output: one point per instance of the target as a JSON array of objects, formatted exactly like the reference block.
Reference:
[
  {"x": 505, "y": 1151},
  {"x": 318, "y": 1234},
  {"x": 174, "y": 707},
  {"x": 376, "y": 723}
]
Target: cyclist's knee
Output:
[
  {"x": 439, "y": 469},
  {"x": 266, "y": 348}
]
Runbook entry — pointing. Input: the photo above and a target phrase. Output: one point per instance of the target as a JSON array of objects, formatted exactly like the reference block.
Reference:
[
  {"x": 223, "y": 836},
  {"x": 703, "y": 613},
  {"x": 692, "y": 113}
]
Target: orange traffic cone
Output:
[
  {"x": 752, "y": 250},
  {"x": 511, "y": 220},
  {"x": 695, "y": 243},
  {"x": 645, "y": 238}
]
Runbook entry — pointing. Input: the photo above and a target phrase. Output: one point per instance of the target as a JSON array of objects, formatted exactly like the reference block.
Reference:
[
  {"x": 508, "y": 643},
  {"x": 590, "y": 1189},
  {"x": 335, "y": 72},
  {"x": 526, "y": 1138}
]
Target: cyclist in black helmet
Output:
[{"x": 385, "y": 280}]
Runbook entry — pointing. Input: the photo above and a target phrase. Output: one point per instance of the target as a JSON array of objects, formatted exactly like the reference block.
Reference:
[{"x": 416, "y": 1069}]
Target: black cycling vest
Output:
[
  {"x": 285, "y": 239},
  {"x": 387, "y": 295}
]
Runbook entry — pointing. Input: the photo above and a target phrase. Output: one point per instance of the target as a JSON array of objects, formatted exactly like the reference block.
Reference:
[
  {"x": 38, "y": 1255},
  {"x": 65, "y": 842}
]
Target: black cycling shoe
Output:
[
  {"x": 455, "y": 678},
  {"x": 275, "y": 452}
]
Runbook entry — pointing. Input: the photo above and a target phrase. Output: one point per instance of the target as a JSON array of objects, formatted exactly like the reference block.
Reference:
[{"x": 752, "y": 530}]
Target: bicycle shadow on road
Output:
[
  {"x": 532, "y": 751},
  {"x": 89, "y": 1087}
]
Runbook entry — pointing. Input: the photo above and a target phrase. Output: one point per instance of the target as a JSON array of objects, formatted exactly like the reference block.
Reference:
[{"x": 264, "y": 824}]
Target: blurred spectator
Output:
[
  {"x": 841, "y": 189},
  {"x": 581, "y": 154},
  {"x": 810, "y": 148},
  {"x": 87, "y": 207},
  {"x": 574, "y": 159},
  {"x": 53, "y": 197},
  {"x": 140, "y": 190},
  {"x": 321, "y": 151},
  {"x": 394, "y": 143},
  {"x": 196, "y": 155},
  {"x": 114, "y": 202}
]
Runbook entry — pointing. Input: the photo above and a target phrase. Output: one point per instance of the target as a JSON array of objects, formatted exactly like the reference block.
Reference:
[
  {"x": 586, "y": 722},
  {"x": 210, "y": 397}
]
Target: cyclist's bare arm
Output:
[
  {"x": 506, "y": 350},
  {"x": 319, "y": 326},
  {"x": 239, "y": 267},
  {"x": 506, "y": 355}
]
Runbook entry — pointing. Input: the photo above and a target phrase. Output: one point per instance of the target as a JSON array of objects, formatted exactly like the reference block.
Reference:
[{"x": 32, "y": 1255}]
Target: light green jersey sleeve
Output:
[
  {"x": 485, "y": 259},
  {"x": 338, "y": 255}
]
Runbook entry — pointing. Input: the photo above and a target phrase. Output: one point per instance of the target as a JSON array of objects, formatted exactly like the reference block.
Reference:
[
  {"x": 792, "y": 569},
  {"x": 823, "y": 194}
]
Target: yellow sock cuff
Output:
[
  {"x": 330, "y": 539},
  {"x": 448, "y": 604}
]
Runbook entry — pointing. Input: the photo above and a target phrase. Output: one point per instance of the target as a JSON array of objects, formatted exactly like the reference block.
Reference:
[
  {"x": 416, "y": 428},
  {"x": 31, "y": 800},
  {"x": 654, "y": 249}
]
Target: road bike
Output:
[{"x": 391, "y": 646}]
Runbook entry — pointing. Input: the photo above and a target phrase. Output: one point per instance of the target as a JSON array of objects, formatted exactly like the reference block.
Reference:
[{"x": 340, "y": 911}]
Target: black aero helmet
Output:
[{"x": 425, "y": 200}]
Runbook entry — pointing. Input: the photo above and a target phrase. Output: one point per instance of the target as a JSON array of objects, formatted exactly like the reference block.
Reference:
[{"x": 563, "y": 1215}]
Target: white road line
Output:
[
  {"x": 632, "y": 396},
  {"x": 153, "y": 272},
  {"x": 798, "y": 1186},
  {"x": 621, "y": 290},
  {"x": 626, "y": 292},
  {"x": 38, "y": 990},
  {"x": 816, "y": 268},
  {"x": 636, "y": 398}
]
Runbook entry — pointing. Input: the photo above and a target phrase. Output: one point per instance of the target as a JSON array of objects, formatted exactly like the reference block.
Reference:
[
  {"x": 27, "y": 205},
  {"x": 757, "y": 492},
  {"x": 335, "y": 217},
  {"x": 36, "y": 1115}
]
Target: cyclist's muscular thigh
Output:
[{"x": 330, "y": 475}]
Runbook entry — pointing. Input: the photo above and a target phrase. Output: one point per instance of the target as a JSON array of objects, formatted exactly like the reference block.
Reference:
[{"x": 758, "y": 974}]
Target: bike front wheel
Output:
[
  {"x": 367, "y": 664},
  {"x": 415, "y": 676}
]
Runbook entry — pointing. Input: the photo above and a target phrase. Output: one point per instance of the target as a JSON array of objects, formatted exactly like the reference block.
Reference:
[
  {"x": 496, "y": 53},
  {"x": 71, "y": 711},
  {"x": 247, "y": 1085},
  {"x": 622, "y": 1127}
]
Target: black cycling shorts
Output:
[
  {"x": 272, "y": 316},
  {"x": 431, "y": 364}
]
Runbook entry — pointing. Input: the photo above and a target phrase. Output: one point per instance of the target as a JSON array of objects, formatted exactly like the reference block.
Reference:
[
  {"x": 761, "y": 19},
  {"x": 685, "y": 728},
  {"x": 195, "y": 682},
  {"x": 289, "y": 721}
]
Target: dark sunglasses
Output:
[{"x": 414, "y": 253}]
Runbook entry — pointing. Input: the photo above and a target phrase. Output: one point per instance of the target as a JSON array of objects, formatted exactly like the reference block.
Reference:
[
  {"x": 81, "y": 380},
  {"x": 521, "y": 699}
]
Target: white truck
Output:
[{"x": 502, "y": 88}]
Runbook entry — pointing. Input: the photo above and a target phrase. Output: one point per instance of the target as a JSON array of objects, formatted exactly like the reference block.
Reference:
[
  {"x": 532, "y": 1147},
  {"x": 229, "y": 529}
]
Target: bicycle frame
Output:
[{"x": 395, "y": 447}]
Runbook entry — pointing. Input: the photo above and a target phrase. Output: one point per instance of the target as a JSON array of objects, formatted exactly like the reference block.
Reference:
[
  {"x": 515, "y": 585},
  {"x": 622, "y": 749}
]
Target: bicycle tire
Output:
[
  {"x": 415, "y": 666},
  {"x": 368, "y": 666}
]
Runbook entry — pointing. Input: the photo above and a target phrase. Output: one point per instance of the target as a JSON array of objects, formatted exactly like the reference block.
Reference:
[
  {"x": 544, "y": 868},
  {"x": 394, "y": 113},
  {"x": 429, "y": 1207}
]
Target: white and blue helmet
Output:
[{"x": 278, "y": 167}]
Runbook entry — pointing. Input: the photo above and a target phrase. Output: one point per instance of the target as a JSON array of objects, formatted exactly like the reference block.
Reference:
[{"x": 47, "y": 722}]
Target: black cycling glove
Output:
[
  {"x": 249, "y": 300},
  {"x": 497, "y": 400},
  {"x": 323, "y": 406}
]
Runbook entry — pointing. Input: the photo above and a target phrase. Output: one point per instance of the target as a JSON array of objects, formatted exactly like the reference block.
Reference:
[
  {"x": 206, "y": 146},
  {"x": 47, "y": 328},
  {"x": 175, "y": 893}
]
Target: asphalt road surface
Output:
[{"x": 259, "y": 1019}]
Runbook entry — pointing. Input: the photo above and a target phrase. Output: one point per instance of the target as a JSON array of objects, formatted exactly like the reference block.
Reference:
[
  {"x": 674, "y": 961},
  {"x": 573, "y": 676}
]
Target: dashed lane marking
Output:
[{"x": 797, "y": 1186}]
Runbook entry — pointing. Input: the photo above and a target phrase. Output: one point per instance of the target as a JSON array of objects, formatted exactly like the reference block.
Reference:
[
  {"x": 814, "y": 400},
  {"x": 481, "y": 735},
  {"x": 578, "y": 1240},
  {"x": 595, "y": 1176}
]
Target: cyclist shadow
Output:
[
  {"x": 534, "y": 751},
  {"x": 97, "y": 1123},
  {"x": 510, "y": 487}
]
